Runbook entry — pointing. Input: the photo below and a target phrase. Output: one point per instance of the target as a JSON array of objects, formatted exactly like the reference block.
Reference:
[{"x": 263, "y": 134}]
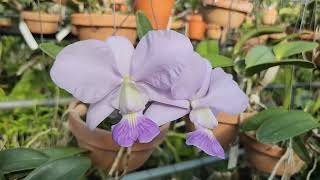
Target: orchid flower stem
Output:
[
  {"x": 116, "y": 161},
  {"x": 173, "y": 150}
]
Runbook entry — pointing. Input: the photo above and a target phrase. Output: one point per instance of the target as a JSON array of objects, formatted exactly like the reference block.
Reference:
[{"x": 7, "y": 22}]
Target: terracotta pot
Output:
[
  {"x": 224, "y": 17},
  {"x": 48, "y": 24},
  {"x": 214, "y": 31},
  {"x": 196, "y": 27},
  {"x": 265, "y": 156},
  {"x": 236, "y": 5},
  {"x": 226, "y": 131},
  {"x": 157, "y": 11},
  {"x": 100, "y": 26},
  {"x": 103, "y": 149},
  {"x": 5, "y": 22},
  {"x": 252, "y": 42},
  {"x": 269, "y": 16}
]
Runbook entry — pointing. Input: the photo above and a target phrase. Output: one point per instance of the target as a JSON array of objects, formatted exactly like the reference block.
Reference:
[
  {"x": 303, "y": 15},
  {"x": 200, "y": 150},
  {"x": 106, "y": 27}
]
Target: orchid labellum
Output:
[
  {"x": 113, "y": 75},
  {"x": 218, "y": 93}
]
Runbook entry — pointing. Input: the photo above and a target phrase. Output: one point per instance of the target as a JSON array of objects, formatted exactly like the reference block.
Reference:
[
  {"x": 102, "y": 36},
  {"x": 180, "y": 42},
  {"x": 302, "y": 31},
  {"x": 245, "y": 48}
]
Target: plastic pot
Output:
[
  {"x": 41, "y": 23},
  {"x": 157, "y": 11},
  {"x": 264, "y": 157},
  {"x": 103, "y": 150},
  {"x": 100, "y": 26},
  {"x": 196, "y": 27}
]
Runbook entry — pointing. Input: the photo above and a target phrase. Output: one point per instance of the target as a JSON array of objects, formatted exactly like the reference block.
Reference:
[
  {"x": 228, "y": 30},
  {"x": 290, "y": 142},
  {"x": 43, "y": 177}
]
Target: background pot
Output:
[
  {"x": 157, "y": 11},
  {"x": 214, "y": 31},
  {"x": 226, "y": 131},
  {"x": 103, "y": 149},
  {"x": 265, "y": 156},
  {"x": 5, "y": 22},
  {"x": 269, "y": 16},
  {"x": 224, "y": 17},
  {"x": 196, "y": 27},
  {"x": 100, "y": 26},
  {"x": 42, "y": 23}
]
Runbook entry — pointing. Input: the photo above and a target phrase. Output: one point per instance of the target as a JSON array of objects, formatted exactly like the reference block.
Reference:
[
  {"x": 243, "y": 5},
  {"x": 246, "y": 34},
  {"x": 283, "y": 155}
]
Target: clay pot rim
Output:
[
  {"x": 235, "y": 6},
  {"x": 34, "y": 16},
  {"x": 267, "y": 149},
  {"x": 90, "y": 19},
  {"x": 114, "y": 147}
]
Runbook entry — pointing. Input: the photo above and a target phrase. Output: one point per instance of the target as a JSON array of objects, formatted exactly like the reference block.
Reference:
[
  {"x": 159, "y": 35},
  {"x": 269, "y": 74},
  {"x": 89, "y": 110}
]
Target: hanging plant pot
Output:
[
  {"x": 269, "y": 16},
  {"x": 264, "y": 157},
  {"x": 100, "y": 26},
  {"x": 103, "y": 150},
  {"x": 5, "y": 22},
  {"x": 157, "y": 11},
  {"x": 226, "y": 131},
  {"x": 196, "y": 27},
  {"x": 41, "y": 23},
  {"x": 214, "y": 31}
]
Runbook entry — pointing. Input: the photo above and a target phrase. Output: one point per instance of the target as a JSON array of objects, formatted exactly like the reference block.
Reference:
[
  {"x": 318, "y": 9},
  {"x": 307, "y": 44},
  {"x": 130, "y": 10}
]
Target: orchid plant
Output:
[{"x": 163, "y": 73}]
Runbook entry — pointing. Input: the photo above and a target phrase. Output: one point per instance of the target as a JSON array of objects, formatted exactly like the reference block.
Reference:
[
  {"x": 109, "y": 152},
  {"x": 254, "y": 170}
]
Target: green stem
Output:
[{"x": 289, "y": 77}]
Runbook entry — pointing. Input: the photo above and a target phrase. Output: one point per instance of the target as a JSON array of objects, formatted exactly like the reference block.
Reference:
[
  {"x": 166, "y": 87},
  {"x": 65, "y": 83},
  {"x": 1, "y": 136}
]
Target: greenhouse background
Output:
[{"x": 270, "y": 48}]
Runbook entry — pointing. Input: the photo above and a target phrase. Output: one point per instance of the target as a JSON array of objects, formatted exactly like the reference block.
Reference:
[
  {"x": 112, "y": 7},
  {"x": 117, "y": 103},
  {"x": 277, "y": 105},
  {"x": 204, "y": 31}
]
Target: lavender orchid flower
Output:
[
  {"x": 219, "y": 93},
  {"x": 113, "y": 75}
]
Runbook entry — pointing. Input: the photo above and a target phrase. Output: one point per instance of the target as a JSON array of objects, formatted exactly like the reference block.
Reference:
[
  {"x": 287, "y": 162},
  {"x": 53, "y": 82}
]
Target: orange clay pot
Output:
[
  {"x": 269, "y": 16},
  {"x": 214, "y": 31},
  {"x": 103, "y": 150},
  {"x": 264, "y": 157},
  {"x": 226, "y": 131},
  {"x": 5, "y": 22},
  {"x": 196, "y": 27},
  {"x": 100, "y": 26},
  {"x": 157, "y": 11},
  {"x": 41, "y": 24}
]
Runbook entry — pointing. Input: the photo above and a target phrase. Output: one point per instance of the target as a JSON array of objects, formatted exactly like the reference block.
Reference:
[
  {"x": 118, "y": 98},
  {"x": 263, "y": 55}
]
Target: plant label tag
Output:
[
  {"x": 63, "y": 33},
  {"x": 233, "y": 156},
  {"x": 27, "y": 35}
]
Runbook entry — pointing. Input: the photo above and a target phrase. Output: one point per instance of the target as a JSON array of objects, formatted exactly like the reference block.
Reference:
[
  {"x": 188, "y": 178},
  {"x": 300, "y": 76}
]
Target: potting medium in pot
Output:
[
  {"x": 41, "y": 23},
  {"x": 103, "y": 150},
  {"x": 101, "y": 26},
  {"x": 264, "y": 157}
]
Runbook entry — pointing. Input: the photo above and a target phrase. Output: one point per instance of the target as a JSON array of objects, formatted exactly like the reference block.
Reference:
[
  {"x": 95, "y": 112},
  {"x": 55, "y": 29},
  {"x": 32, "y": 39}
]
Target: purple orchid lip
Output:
[
  {"x": 205, "y": 140},
  {"x": 134, "y": 127}
]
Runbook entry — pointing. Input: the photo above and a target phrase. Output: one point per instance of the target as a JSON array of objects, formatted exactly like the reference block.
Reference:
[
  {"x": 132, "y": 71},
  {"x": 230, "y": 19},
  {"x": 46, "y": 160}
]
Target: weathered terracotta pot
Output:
[
  {"x": 214, "y": 31},
  {"x": 100, "y": 26},
  {"x": 252, "y": 42},
  {"x": 265, "y": 156},
  {"x": 103, "y": 149},
  {"x": 48, "y": 24},
  {"x": 157, "y": 11},
  {"x": 196, "y": 27},
  {"x": 226, "y": 131},
  {"x": 269, "y": 16},
  {"x": 5, "y": 22}
]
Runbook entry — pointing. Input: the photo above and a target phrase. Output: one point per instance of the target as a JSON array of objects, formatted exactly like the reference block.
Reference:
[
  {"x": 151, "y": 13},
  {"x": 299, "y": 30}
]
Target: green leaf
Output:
[
  {"x": 143, "y": 24},
  {"x": 2, "y": 176},
  {"x": 290, "y": 48},
  {"x": 283, "y": 126},
  {"x": 13, "y": 160},
  {"x": 58, "y": 153},
  {"x": 300, "y": 148},
  {"x": 61, "y": 169},
  {"x": 209, "y": 49},
  {"x": 50, "y": 49},
  {"x": 255, "y": 121}
]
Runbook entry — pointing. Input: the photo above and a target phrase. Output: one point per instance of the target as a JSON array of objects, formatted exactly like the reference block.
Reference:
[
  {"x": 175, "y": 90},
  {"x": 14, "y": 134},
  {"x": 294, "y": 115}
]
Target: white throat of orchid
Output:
[{"x": 202, "y": 116}]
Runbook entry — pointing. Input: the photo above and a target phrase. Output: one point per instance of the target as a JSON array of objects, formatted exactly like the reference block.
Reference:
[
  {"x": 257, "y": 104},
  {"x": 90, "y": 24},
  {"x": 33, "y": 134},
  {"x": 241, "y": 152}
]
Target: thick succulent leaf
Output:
[
  {"x": 13, "y": 160},
  {"x": 254, "y": 122},
  {"x": 283, "y": 50},
  {"x": 283, "y": 126},
  {"x": 58, "y": 153},
  {"x": 50, "y": 49},
  {"x": 143, "y": 24},
  {"x": 299, "y": 147},
  {"x": 61, "y": 169}
]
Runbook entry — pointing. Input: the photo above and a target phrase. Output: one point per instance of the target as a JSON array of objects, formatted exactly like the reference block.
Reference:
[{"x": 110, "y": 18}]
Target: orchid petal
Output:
[
  {"x": 86, "y": 69},
  {"x": 160, "y": 57},
  {"x": 162, "y": 113},
  {"x": 132, "y": 128},
  {"x": 97, "y": 112},
  {"x": 205, "y": 140},
  {"x": 224, "y": 94},
  {"x": 122, "y": 49},
  {"x": 204, "y": 117}
]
